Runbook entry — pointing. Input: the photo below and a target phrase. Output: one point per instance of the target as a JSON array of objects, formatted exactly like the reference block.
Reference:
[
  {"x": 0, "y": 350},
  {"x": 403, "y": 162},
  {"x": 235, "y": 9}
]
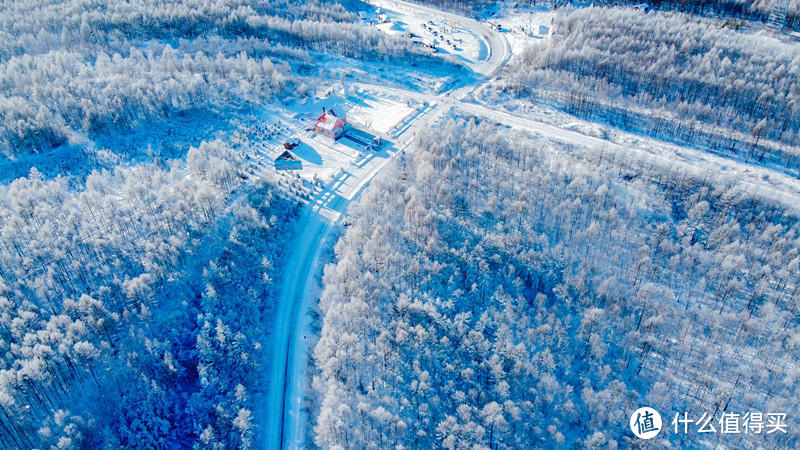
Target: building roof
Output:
[
  {"x": 328, "y": 121},
  {"x": 287, "y": 156}
]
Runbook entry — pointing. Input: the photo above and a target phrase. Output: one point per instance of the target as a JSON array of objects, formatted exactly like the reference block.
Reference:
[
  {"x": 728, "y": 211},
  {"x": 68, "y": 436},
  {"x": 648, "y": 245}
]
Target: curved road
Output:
[{"x": 284, "y": 421}]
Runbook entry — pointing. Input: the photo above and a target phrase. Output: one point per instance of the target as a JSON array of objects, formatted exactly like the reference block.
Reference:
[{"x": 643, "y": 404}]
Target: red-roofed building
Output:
[{"x": 330, "y": 124}]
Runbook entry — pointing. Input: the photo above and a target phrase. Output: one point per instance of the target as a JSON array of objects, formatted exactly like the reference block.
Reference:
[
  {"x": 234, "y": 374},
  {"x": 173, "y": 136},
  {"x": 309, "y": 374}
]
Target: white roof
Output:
[
  {"x": 329, "y": 123},
  {"x": 286, "y": 156}
]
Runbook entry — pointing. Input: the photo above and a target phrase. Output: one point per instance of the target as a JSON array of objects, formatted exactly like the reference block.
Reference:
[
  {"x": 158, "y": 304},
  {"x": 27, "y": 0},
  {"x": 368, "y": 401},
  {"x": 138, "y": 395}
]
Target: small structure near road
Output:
[
  {"x": 330, "y": 124},
  {"x": 287, "y": 161}
]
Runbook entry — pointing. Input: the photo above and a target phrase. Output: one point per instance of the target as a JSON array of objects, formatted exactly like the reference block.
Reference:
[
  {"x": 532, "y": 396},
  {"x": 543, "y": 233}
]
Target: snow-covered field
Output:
[
  {"x": 525, "y": 28},
  {"x": 378, "y": 114}
]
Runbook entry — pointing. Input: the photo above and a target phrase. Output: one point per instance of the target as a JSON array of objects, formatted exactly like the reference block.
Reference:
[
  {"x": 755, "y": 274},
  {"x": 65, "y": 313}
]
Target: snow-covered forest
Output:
[
  {"x": 502, "y": 291},
  {"x": 741, "y": 9},
  {"x": 524, "y": 221},
  {"x": 75, "y": 68},
  {"x": 670, "y": 75},
  {"x": 125, "y": 317},
  {"x": 137, "y": 285},
  {"x": 758, "y": 10}
]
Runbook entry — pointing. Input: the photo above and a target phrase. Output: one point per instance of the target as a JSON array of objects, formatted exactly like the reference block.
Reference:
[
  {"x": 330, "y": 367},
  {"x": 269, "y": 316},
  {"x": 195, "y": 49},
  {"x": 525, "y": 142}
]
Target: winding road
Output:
[{"x": 284, "y": 423}]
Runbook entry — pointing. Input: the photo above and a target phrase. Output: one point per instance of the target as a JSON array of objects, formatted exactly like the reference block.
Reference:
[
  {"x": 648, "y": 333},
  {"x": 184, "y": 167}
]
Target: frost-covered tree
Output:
[
  {"x": 673, "y": 76},
  {"x": 500, "y": 290}
]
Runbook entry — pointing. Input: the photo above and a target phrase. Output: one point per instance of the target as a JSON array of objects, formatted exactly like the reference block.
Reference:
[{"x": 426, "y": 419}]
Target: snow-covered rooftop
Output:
[{"x": 286, "y": 156}]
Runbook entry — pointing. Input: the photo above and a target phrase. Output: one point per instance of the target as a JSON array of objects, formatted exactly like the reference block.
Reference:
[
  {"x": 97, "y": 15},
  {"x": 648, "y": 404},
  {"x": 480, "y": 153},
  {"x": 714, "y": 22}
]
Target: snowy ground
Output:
[
  {"x": 324, "y": 158},
  {"x": 525, "y": 28},
  {"x": 260, "y": 137},
  {"x": 379, "y": 114}
]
